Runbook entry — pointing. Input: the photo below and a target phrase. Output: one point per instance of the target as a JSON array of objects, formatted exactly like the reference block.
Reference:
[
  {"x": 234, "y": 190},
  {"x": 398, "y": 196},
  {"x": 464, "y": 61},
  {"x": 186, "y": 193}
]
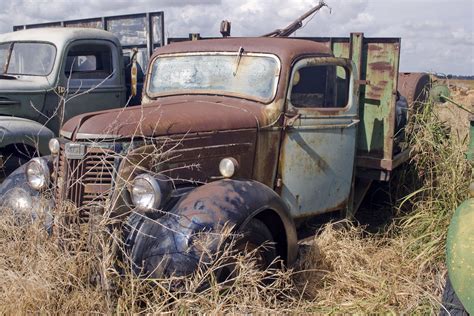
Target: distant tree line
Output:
[{"x": 457, "y": 77}]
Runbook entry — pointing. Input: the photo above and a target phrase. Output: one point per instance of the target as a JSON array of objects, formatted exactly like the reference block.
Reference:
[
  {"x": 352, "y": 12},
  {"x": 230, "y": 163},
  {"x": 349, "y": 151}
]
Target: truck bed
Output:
[{"x": 378, "y": 63}]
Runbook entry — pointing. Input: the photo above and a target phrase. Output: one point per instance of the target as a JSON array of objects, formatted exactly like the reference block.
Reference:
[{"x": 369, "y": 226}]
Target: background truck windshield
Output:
[
  {"x": 249, "y": 76},
  {"x": 25, "y": 58}
]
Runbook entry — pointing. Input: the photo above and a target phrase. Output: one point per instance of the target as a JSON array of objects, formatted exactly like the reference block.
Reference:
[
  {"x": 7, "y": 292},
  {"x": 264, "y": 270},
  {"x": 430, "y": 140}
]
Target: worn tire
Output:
[
  {"x": 253, "y": 235},
  {"x": 452, "y": 304}
]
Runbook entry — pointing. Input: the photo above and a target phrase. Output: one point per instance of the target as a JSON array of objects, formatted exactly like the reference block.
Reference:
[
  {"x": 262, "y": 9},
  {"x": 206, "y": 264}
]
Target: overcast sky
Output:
[{"x": 437, "y": 35}]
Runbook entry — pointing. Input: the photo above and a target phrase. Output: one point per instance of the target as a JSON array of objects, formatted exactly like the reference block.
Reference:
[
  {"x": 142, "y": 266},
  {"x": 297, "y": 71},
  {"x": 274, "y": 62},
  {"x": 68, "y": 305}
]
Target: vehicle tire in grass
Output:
[
  {"x": 452, "y": 304},
  {"x": 255, "y": 236}
]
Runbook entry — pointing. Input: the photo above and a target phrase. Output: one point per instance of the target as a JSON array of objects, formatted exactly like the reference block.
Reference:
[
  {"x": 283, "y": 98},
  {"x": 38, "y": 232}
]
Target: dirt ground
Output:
[{"x": 462, "y": 91}]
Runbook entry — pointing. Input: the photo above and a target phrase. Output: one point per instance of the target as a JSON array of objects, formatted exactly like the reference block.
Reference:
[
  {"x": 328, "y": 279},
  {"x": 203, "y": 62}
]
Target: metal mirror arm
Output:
[
  {"x": 462, "y": 107},
  {"x": 298, "y": 23}
]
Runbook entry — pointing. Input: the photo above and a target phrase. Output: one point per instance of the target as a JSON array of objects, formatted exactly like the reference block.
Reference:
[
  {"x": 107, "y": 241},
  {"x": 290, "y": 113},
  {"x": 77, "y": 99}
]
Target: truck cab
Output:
[
  {"x": 50, "y": 72},
  {"x": 258, "y": 133},
  {"x": 49, "y": 76}
]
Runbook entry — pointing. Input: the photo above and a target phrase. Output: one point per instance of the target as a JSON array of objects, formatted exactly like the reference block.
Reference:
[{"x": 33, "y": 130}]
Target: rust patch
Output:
[
  {"x": 171, "y": 115},
  {"x": 413, "y": 86},
  {"x": 381, "y": 66}
]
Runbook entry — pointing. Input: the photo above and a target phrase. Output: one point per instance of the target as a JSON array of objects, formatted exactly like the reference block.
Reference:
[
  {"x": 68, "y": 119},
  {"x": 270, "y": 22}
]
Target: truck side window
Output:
[
  {"x": 322, "y": 86},
  {"x": 88, "y": 61}
]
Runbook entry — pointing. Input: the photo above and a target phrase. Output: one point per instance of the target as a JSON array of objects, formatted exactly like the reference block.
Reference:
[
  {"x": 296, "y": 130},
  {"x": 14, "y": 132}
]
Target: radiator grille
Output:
[{"x": 85, "y": 183}]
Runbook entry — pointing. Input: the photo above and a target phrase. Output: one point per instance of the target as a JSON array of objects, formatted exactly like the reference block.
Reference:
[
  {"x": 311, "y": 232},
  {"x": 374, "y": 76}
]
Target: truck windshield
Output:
[
  {"x": 27, "y": 58},
  {"x": 250, "y": 76}
]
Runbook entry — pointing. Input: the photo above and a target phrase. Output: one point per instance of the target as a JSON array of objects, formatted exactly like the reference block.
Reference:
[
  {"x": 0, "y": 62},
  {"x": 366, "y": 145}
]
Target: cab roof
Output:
[
  {"x": 58, "y": 35},
  {"x": 285, "y": 48}
]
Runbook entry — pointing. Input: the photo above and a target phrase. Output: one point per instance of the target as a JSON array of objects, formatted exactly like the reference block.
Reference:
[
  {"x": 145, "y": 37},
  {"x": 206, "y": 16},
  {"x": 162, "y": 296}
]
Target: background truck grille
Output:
[{"x": 86, "y": 182}]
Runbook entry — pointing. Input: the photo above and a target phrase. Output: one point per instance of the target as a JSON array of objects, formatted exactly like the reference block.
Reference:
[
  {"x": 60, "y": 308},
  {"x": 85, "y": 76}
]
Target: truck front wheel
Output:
[
  {"x": 451, "y": 303},
  {"x": 255, "y": 239}
]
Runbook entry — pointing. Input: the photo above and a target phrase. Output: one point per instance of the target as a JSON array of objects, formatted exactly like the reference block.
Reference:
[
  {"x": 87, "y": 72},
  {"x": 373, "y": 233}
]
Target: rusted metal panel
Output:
[
  {"x": 385, "y": 164},
  {"x": 144, "y": 31},
  {"x": 86, "y": 23},
  {"x": 188, "y": 159},
  {"x": 287, "y": 49},
  {"x": 378, "y": 63},
  {"x": 414, "y": 86},
  {"x": 85, "y": 182},
  {"x": 266, "y": 159},
  {"x": 197, "y": 158},
  {"x": 171, "y": 115},
  {"x": 317, "y": 154},
  {"x": 378, "y": 112},
  {"x": 340, "y": 48},
  {"x": 132, "y": 29}
]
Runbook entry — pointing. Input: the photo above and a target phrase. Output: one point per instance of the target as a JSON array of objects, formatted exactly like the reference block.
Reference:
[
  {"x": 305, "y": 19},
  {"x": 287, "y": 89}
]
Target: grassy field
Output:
[{"x": 347, "y": 268}]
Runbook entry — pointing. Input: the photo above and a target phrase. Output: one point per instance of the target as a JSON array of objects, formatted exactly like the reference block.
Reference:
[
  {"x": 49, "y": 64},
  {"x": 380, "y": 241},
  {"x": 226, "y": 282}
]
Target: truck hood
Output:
[
  {"x": 25, "y": 84},
  {"x": 168, "y": 116}
]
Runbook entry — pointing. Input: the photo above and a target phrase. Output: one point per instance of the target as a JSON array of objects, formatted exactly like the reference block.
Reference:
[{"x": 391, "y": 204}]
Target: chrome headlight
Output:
[
  {"x": 54, "y": 146},
  {"x": 38, "y": 173},
  {"x": 228, "y": 167},
  {"x": 147, "y": 193}
]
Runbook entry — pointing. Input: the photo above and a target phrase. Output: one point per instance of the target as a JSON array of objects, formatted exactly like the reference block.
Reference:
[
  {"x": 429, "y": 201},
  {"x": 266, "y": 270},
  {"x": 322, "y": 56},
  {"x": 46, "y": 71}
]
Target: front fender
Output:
[
  {"x": 20, "y": 200},
  {"x": 460, "y": 253},
  {"x": 16, "y": 130},
  {"x": 165, "y": 245},
  {"x": 16, "y": 180}
]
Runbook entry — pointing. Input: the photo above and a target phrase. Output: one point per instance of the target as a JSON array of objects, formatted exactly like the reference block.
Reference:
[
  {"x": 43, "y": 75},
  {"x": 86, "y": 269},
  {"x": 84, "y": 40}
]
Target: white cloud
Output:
[
  {"x": 363, "y": 18},
  {"x": 436, "y": 35}
]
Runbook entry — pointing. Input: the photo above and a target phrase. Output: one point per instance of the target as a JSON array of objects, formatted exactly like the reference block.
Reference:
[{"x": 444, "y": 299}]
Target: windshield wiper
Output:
[
  {"x": 241, "y": 51},
  {"x": 8, "y": 77}
]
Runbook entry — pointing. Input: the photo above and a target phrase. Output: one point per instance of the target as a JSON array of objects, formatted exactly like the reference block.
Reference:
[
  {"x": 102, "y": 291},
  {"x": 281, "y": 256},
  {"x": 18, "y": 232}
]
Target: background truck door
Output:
[
  {"x": 318, "y": 149},
  {"x": 92, "y": 76}
]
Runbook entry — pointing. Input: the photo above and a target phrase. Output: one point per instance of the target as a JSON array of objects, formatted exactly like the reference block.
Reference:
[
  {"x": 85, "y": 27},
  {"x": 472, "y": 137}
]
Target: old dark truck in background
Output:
[
  {"x": 258, "y": 133},
  {"x": 49, "y": 75}
]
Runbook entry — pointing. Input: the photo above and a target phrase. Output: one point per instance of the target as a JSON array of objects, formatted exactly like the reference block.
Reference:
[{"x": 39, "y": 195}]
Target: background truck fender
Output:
[
  {"x": 14, "y": 182},
  {"x": 15, "y": 130},
  {"x": 164, "y": 246},
  {"x": 21, "y": 201}
]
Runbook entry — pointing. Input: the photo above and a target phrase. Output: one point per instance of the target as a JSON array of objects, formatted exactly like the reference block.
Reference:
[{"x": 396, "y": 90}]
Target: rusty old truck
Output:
[
  {"x": 49, "y": 75},
  {"x": 261, "y": 134}
]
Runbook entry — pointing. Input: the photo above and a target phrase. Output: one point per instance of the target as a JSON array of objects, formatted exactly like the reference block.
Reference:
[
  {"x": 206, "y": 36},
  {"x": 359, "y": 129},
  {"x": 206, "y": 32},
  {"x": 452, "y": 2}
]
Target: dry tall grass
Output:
[
  {"x": 402, "y": 269},
  {"x": 345, "y": 269}
]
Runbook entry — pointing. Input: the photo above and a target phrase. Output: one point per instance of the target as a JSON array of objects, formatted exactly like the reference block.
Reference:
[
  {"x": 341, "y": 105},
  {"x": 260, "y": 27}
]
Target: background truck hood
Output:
[
  {"x": 171, "y": 115},
  {"x": 25, "y": 84},
  {"x": 17, "y": 130}
]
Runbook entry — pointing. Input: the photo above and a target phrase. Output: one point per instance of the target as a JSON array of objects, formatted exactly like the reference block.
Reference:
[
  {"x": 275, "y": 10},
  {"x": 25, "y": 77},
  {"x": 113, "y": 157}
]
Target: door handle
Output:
[{"x": 354, "y": 122}]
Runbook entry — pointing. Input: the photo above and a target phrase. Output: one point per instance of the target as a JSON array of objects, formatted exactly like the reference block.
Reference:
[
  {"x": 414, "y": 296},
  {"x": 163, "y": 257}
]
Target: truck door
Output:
[
  {"x": 92, "y": 77},
  {"x": 318, "y": 148}
]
